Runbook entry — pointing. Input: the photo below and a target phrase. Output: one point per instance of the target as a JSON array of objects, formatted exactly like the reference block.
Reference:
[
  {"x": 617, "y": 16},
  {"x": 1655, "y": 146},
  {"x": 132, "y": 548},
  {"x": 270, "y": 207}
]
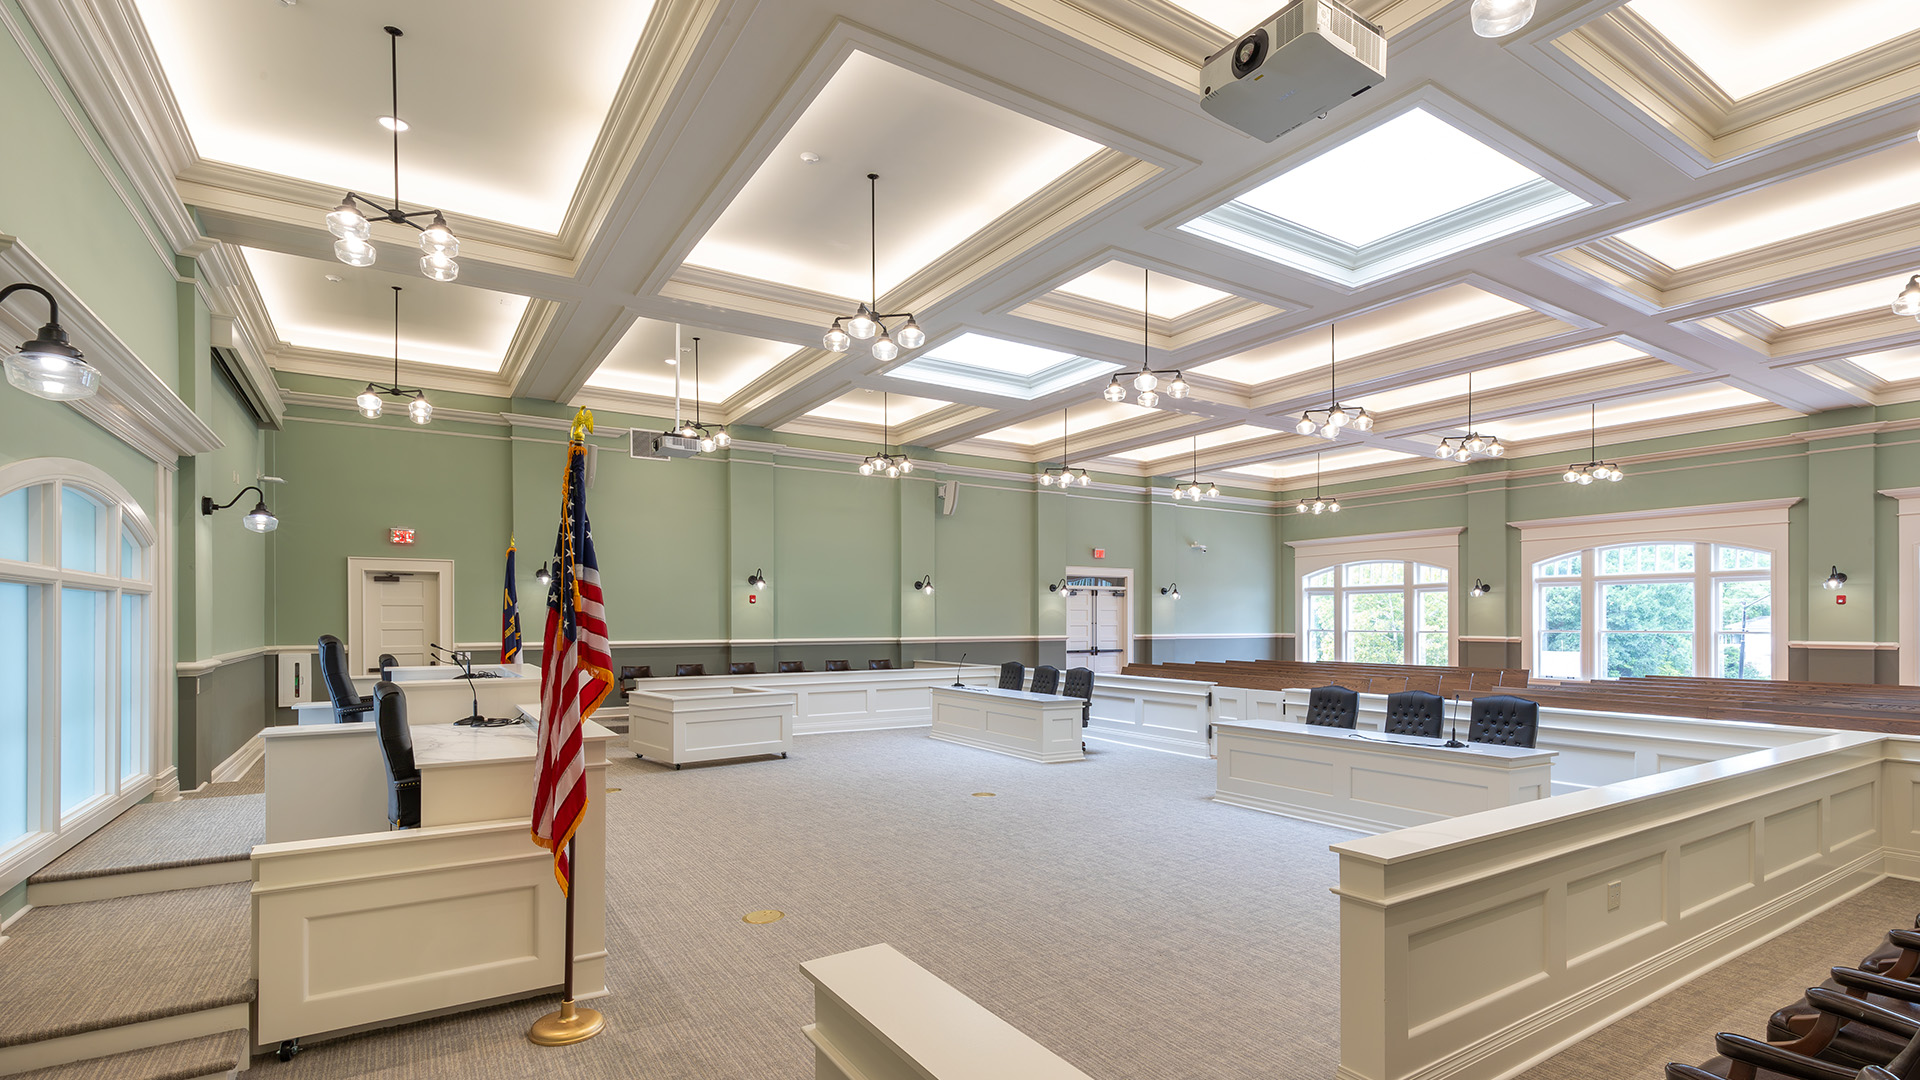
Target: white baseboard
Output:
[
  {"x": 834, "y": 727},
  {"x": 166, "y": 786},
  {"x": 241, "y": 760}
]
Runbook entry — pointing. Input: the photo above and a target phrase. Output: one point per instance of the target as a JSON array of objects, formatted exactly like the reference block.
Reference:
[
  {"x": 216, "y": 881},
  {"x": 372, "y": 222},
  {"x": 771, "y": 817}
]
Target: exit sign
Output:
[
  {"x": 400, "y": 536},
  {"x": 1099, "y": 553}
]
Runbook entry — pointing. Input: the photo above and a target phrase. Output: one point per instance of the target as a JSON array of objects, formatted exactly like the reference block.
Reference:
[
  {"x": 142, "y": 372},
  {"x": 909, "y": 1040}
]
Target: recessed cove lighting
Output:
[{"x": 1006, "y": 368}]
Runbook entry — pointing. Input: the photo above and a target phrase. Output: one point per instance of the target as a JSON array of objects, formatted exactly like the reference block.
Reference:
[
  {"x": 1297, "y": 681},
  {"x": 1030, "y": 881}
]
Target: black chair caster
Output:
[{"x": 288, "y": 1048}]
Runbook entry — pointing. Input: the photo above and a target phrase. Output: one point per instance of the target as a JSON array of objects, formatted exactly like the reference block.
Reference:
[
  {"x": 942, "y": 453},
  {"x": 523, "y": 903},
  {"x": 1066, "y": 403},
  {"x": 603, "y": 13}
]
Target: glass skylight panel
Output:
[
  {"x": 1089, "y": 416},
  {"x": 1846, "y": 300},
  {"x": 998, "y": 354},
  {"x": 1409, "y": 170},
  {"x": 1118, "y": 284},
  {"x": 1174, "y": 448},
  {"x": 1892, "y": 366},
  {"x": 1746, "y": 46}
]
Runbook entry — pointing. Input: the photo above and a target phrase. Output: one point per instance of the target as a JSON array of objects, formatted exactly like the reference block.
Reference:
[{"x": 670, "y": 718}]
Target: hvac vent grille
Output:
[{"x": 1369, "y": 47}]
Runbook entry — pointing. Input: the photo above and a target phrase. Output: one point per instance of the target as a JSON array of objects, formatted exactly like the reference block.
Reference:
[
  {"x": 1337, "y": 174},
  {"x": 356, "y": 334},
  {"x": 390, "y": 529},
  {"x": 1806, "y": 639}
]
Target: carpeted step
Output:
[
  {"x": 222, "y": 1055},
  {"x": 82, "y": 981},
  {"x": 155, "y": 847}
]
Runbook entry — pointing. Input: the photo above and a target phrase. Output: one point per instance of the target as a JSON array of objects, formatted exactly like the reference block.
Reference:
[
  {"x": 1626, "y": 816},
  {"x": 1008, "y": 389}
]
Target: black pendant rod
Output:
[
  {"x": 393, "y": 40},
  {"x": 1333, "y": 378},
  {"x": 696, "y": 383},
  {"x": 1593, "y": 436},
  {"x": 1146, "y": 328},
  {"x": 873, "y": 243},
  {"x": 396, "y": 337}
]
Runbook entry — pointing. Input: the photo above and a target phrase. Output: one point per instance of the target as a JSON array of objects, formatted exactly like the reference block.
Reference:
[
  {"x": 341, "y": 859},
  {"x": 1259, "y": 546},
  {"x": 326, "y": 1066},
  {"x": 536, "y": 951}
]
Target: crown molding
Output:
[{"x": 1661, "y": 512}]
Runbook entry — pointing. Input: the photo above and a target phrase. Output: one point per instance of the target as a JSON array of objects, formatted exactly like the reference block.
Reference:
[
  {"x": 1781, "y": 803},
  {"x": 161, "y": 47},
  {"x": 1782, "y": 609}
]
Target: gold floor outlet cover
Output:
[
  {"x": 568, "y": 1025},
  {"x": 761, "y": 918},
  {"x": 983, "y": 795}
]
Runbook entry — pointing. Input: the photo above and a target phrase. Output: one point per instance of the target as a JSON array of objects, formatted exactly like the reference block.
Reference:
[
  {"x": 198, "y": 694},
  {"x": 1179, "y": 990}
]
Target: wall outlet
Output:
[{"x": 1613, "y": 896}]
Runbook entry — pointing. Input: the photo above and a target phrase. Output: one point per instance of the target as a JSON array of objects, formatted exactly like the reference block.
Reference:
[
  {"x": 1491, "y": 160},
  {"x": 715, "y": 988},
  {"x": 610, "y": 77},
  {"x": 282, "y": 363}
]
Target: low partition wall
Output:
[
  {"x": 1478, "y": 946},
  {"x": 1594, "y": 748},
  {"x": 1161, "y": 714},
  {"x": 845, "y": 700}
]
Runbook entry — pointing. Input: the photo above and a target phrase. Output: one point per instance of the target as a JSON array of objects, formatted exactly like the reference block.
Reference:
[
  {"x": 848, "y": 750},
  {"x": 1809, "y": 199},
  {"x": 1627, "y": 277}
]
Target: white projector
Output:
[
  {"x": 1307, "y": 58},
  {"x": 645, "y": 444}
]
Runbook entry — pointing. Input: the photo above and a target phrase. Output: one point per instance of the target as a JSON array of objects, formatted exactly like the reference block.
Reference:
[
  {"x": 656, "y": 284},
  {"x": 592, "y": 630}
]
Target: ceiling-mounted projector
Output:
[{"x": 1307, "y": 58}]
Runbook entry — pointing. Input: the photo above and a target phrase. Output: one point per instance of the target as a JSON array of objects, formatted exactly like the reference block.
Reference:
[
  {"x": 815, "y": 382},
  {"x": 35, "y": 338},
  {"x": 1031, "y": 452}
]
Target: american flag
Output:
[{"x": 576, "y": 666}]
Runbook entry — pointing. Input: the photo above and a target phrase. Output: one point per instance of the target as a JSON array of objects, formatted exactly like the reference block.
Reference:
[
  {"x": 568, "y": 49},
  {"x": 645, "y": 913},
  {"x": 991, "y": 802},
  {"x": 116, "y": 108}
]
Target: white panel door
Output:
[
  {"x": 1079, "y": 628},
  {"x": 402, "y": 617},
  {"x": 1109, "y": 632}
]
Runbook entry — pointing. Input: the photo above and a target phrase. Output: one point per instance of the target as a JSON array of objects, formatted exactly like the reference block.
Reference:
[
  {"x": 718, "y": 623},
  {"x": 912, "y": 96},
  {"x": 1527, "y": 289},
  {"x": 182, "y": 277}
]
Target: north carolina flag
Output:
[
  {"x": 576, "y": 665},
  {"x": 510, "y": 615}
]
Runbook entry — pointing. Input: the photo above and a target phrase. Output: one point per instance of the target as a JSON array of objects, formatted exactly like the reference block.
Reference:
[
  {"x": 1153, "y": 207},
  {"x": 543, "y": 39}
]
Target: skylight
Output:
[
  {"x": 1399, "y": 194},
  {"x": 1081, "y": 417},
  {"x": 1746, "y": 46},
  {"x": 1004, "y": 368},
  {"x": 1118, "y": 284},
  {"x": 1833, "y": 303}
]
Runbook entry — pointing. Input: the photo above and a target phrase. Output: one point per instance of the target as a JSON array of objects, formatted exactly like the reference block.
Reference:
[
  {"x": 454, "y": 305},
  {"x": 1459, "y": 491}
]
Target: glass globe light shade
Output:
[
  {"x": 1498, "y": 18},
  {"x": 1585, "y": 479},
  {"x": 836, "y": 340},
  {"x": 1213, "y": 492},
  {"x": 353, "y": 252},
  {"x": 893, "y": 472},
  {"x": 1305, "y": 427},
  {"x": 346, "y": 222},
  {"x": 906, "y": 466},
  {"x": 1615, "y": 475},
  {"x": 50, "y": 368},
  {"x": 1085, "y": 479},
  {"x": 1178, "y": 387},
  {"x": 911, "y": 336},
  {"x": 1443, "y": 451},
  {"x": 439, "y": 267},
  {"x": 1361, "y": 421},
  {"x": 1319, "y": 507},
  {"x": 723, "y": 440},
  {"x": 706, "y": 445},
  {"x": 1300, "y": 507},
  {"x": 1145, "y": 381},
  {"x": 1908, "y": 302},
  {"x": 1333, "y": 507},
  {"x": 420, "y": 410},
  {"x": 260, "y": 519},
  {"x": 1495, "y": 448},
  {"x": 1474, "y": 444},
  {"x": 1148, "y": 398},
  {"x": 437, "y": 239},
  {"x": 1329, "y": 433},
  {"x": 862, "y": 326},
  {"x": 1571, "y": 477},
  {"x": 1338, "y": 417},
  {"x": 1114, "y": 391},
  {"x": 1463, "y": 454},
  {"x": 369, "y": 403},
  {"x": 884, "y": 349},
  {"x": 866, "y": 468},
  {"x": 688, "y": 432},
  {"x": 1046, "y": 480}
]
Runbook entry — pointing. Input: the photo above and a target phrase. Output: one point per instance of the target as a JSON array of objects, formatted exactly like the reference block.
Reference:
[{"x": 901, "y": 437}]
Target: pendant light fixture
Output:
[
  {"x": 709, "y": 439},
  {"x": 1335, "y": 416},
  {"x": 1063, "y": 474},
  {"x": 1146, "y": 381},
  {"x": 886, "y": 463},
  {"x": 1908, "y": 302},
  {"x": 1472, "y": 444},
  {"x": 419, "y": 409},
  {"x": 1588, "y": 471},
  {"x": 1498, "y": 18},
  {"x": 48, "y": 366},
  {"x": 1193, "y": 490},
  {"x": 868, "y": 323},
  {"x": 1319, "y": 505},
  {"x": 349, "y": 222}
]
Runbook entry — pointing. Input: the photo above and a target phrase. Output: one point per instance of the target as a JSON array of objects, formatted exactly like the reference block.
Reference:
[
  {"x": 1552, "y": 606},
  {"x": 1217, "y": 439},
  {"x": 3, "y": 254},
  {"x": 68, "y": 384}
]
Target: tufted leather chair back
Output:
[
  {"x": 1415, "y": 712},
  {"x": 1079, "y": 683},
  {"x": 347, "y": 706},
  {"x": 1046, "y": 679},
  {"x": 743, "y": 667},
  {"x": 793, "y": 665},
  {"x": 1013, "y": 674},
  {"x": 689, "y": 669},
  {"x": 1333, "y": 706},
  {"x": 396, "y": 753},
  {"x": 838, "y": 665},
  {"x": 1504, "y": 720},
  {"x": 880, "y": 665}
]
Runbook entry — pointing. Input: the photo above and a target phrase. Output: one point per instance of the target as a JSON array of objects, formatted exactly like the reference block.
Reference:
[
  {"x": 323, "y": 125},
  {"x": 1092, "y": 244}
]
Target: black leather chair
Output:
[
  {"x": 396, "y": 752},
  {"x": 1504, "y": 720},
  {"x": 792, "y": 665},
  {"x": 689, "y": 669},
  {"x": 1415, "y": 712},
  {"x": 1333, "y": 706},
  {"x": 838, "y": 665},
  {"x": 745, "y": 668},
  {"x": 1079, "y": 683},
  {"x": 388, "y": 662},
  {"x": 1046, "y": 679},
  {"x": 1013, "y": 675},
  {"x": 879, "y": 665},
  {"x": 347, "y": 706}
]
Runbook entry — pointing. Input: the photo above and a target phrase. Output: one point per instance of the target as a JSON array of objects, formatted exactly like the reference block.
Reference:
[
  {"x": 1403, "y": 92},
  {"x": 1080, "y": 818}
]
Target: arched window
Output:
[
  {"x": 76, "y": 632},
  {"x": 1654, "y": 608},
  {"x": 1380, "y": 611}
]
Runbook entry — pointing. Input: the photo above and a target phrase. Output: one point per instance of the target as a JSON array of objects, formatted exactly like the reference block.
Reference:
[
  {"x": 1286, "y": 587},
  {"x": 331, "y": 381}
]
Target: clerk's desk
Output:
[
  {"x": 436, "y": 694},
  {"x": 1369, "y": 780},
  {"x": 1037, "y": 727},
  {"x": 356, "y": 924}
]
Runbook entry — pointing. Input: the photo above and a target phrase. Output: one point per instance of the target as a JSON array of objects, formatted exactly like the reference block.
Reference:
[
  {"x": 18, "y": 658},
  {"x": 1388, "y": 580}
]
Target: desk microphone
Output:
[
  {"x": 956, "y": 671},
  {"x": 1453, "y": 741},
  {"x": 476, "y": 719}
]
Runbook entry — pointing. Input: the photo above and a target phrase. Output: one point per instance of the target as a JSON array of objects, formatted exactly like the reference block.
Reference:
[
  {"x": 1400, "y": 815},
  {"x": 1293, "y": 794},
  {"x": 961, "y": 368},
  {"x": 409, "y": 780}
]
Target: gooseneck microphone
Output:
[
  {"x": 466, "y": 667},
  {"x": 957, "y": 669},
  {"x": 1453, "y": 741}
]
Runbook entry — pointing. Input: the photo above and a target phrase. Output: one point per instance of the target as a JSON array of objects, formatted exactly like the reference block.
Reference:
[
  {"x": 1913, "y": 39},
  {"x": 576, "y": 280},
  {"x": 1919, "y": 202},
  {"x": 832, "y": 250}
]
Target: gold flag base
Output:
[{"x": 567, "y": 1026}]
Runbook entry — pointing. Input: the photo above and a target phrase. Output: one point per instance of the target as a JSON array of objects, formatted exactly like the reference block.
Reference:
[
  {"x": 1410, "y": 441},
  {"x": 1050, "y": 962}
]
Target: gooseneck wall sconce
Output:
[
  {"x": 925, "y": 585},
  {"x": 1171, "y": 592},
  {"x": 1480, "y": 588},
  {"x": 757, "y": 580},
  {"x": 543, "y": 575},
  {"x": 1834, "y": 580},
  {"x": 259, "y": 519},
  {"x": 48, "y": 366},
  {"x": 1058, "y": 586}
]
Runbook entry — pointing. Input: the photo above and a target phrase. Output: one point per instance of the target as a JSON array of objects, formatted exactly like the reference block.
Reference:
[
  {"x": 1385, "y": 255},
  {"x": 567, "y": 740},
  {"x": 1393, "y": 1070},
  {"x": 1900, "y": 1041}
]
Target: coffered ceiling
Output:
[{"x": 1690, "y": 212}]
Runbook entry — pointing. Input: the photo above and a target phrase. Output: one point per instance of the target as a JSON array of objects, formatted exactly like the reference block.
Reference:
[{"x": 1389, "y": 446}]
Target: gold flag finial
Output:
[{"x": 582, "y": 423}]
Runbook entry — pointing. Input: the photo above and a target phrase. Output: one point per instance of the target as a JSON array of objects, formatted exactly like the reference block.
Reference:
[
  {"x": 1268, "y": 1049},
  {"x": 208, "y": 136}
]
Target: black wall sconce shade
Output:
[
  {"x": 1834, "y": 580},
  {"x": 259, "y": 519},
  {"x": 543, "y": 575},
  {"x": 1480, "y": 588},
  {"x": 1059, "y": 586},
  {"x": 924, "y": 584},
  {"x": 757, "y": 580},
  {"x": 1171, "y": 592}
]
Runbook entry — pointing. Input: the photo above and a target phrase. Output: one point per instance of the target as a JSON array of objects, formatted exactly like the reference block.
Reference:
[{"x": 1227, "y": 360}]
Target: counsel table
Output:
[
  {"x": 1370, "y": 781},
  {"x": 1038, "y": 727}
]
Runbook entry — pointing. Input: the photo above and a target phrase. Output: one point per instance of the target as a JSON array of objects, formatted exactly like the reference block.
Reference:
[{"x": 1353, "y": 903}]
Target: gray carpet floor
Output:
[
  {"x": 185, "y": 832},
  {"x": 1107, "y": 908},
  {"x": 187, "y": 1060},
  {"x": 1739, "y": 995},
  {"x": 71, "y": 968},
  {"x": 251, "y": 782}
]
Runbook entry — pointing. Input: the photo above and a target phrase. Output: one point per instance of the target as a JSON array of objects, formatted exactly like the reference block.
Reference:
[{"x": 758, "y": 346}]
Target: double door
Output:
[{"x": 1097, "y": 627}]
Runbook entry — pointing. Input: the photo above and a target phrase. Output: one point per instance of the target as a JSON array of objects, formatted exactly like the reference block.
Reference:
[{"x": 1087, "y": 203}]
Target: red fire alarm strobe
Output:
[
  {"x": 1841, "y": 599},
  {"x": 400, "y": 536},
  {"x": 1099, "y": 553},
  {"x": 752, "y": 599}
]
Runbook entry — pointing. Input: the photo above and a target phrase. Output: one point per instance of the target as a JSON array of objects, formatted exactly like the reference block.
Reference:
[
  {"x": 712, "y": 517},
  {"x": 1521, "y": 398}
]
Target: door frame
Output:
[
  {"x": 1126, "y": 577},
  {"x": 360, "y": 569}
]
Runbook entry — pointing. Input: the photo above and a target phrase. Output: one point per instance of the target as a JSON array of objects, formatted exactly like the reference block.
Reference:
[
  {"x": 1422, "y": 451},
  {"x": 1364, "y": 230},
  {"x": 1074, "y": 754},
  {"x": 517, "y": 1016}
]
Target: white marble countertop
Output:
[
  {"x": 1504, "y": 755},
  {"x": 1013, "y": 695},
  {"x": 437, "y": 745}
]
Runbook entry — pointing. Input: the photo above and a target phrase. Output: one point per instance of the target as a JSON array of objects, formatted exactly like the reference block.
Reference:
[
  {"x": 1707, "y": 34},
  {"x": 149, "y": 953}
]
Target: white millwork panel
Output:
[
  {"x": 1372, "y": 782},
  {"x": 879, "y": 1016},
  {"x": 1161, "y": 714},
  {"x": 844, "y": 700},
  {"x": 437, "y": 695},
  {"x": 1037, "y": 727},
  {"x": 324, "y": 780},
  {"x": 709, "y": 724}
]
